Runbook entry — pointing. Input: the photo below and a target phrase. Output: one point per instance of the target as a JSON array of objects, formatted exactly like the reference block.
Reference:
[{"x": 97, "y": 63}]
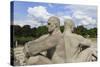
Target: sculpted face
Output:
[{"x": 53, "y": 23}]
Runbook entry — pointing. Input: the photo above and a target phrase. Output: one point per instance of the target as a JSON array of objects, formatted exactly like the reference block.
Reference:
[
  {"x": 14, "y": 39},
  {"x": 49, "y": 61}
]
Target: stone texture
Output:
[
  {"x": 74, "y": 43},
  {"x": 56, "y": 47}
]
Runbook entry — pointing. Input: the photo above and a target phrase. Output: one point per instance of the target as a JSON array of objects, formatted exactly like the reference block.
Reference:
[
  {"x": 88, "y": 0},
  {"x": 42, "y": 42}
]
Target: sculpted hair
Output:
[{"x": 69, "y": 24}]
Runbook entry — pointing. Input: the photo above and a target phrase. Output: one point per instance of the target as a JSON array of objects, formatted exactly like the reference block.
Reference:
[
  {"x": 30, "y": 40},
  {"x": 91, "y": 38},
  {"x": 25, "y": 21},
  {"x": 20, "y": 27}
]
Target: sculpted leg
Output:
[
  {"x": 34, "y": 60},
  {"x": 86, "y": 55}
]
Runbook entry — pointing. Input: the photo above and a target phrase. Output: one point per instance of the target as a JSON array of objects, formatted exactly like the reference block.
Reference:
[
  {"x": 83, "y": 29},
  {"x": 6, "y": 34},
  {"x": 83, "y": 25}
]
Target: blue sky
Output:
[{"x": 37, "y": 13}]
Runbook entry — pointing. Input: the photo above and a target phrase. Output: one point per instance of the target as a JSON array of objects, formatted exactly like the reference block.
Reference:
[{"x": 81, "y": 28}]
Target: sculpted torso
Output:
[
  {"x": 74, "y": 45},
  {"x": 53, "y": 43},
  {"x": 58, "y": 53}
]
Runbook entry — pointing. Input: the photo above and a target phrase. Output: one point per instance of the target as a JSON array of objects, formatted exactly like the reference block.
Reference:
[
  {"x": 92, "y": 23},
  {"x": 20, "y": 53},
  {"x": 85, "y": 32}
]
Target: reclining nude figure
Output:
[
  {"x": 53, "y": 43},
  {"x": 74, "y": 44},
  {"x": 22, "y": 57}
]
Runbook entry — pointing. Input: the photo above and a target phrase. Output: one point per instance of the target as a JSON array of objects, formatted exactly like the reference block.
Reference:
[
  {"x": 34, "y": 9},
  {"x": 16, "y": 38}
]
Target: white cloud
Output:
[
  {"x": 67, "y": 17},
  {"x": 87, "y": 9},
  {"x": 84, "y": 14},
  {"x": 31, "y": 22},
  {"x": 83, "y": 19},
  {"x": 39, "y": 12},
  {"x": 78, "y": 14},
  {"x": 62, "y": 18},
  {"x": 37, "y": 15}
]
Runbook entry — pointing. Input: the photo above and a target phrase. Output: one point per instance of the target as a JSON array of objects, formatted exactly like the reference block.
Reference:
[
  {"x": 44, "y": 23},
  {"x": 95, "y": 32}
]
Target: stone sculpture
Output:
[
  {"x": 74, "y": 44},
  {"x": 59, "y": 47},
  {"x": 52, "y": 43}
]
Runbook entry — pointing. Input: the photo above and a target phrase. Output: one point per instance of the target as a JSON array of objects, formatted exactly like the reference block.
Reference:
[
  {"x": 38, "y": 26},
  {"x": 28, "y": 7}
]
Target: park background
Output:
[{"x": 29, "y": 19}]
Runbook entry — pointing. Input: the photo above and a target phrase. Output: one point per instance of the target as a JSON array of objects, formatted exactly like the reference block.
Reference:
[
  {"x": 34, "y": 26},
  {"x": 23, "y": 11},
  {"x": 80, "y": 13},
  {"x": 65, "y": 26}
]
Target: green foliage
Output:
[
  {"x": 16, "y": 30},
  {"x": 22, "y": 40},
  {"x": 81, "y": 30},
  {"x": 92, "y": 33},
  {"x": 26, "y": 33},
  {"x": 34, "y": 32},
  {"x": 41, "y": 31}
]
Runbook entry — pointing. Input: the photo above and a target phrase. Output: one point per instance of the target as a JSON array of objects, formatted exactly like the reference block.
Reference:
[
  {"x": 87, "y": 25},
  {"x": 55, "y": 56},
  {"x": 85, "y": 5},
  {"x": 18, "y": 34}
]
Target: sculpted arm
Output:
[
  {"x": 33, "y": 48},
  {"x": 42, "y": 37},
  {"x": 85, "y": 42}
]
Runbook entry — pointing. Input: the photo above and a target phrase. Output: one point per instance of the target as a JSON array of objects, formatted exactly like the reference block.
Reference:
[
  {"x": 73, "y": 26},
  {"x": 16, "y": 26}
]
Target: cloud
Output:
[
  {"x": 67, "y": 17},
  {"x": 31, "y": 22},
  {"x": 82, "y": 19},
  {"x": 83, "y": 14},
  {"x": 62, "y": 18},
  {"x": 40, "y": 13},
  {"x": 87, "y": 9},
  {"x": 78, "y": 14}
]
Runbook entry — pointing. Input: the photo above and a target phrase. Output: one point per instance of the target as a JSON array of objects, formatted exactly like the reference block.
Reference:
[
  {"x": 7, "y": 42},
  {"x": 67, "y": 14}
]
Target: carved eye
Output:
[{"x": 48, "y": 23}]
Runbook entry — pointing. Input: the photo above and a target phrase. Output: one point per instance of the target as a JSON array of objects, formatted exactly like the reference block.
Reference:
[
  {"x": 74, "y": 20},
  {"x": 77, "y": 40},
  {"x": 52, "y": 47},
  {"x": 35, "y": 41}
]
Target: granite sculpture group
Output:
[{"x": 56, "y": 47}]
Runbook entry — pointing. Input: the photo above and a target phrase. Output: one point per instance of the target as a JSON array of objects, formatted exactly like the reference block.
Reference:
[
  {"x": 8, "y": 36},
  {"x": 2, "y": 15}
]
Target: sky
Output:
[{"x": 36, "y": 14}]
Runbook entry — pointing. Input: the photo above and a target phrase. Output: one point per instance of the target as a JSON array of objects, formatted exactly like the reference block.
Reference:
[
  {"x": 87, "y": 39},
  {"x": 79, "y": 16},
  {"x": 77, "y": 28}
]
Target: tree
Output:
[
  {"x": 33, "y": 32},
  {"x": 26, "y": 30},
  {"x": 93, "y": 32},
  {"x": 80, "y": 30},
  {"x": 16, "y": 30},
  {"x": 41, "y": 31}
]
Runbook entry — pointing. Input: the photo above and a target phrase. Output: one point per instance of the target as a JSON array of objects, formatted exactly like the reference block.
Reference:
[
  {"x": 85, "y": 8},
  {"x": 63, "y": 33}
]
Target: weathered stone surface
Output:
[
  {"x": 19, "y": 55},
  {"x": 56, "y": 47},
  {"x": 54, "y": 43},
  {"x": 38, "y": 60},
  {"x": 74, "y": 43}
]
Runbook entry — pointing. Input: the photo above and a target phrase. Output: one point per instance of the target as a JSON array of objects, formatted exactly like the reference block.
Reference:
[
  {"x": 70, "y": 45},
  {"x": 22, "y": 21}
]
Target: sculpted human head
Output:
[
  {"x": 53, "y": 23},
  {"x": 69, "y": 24}
]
